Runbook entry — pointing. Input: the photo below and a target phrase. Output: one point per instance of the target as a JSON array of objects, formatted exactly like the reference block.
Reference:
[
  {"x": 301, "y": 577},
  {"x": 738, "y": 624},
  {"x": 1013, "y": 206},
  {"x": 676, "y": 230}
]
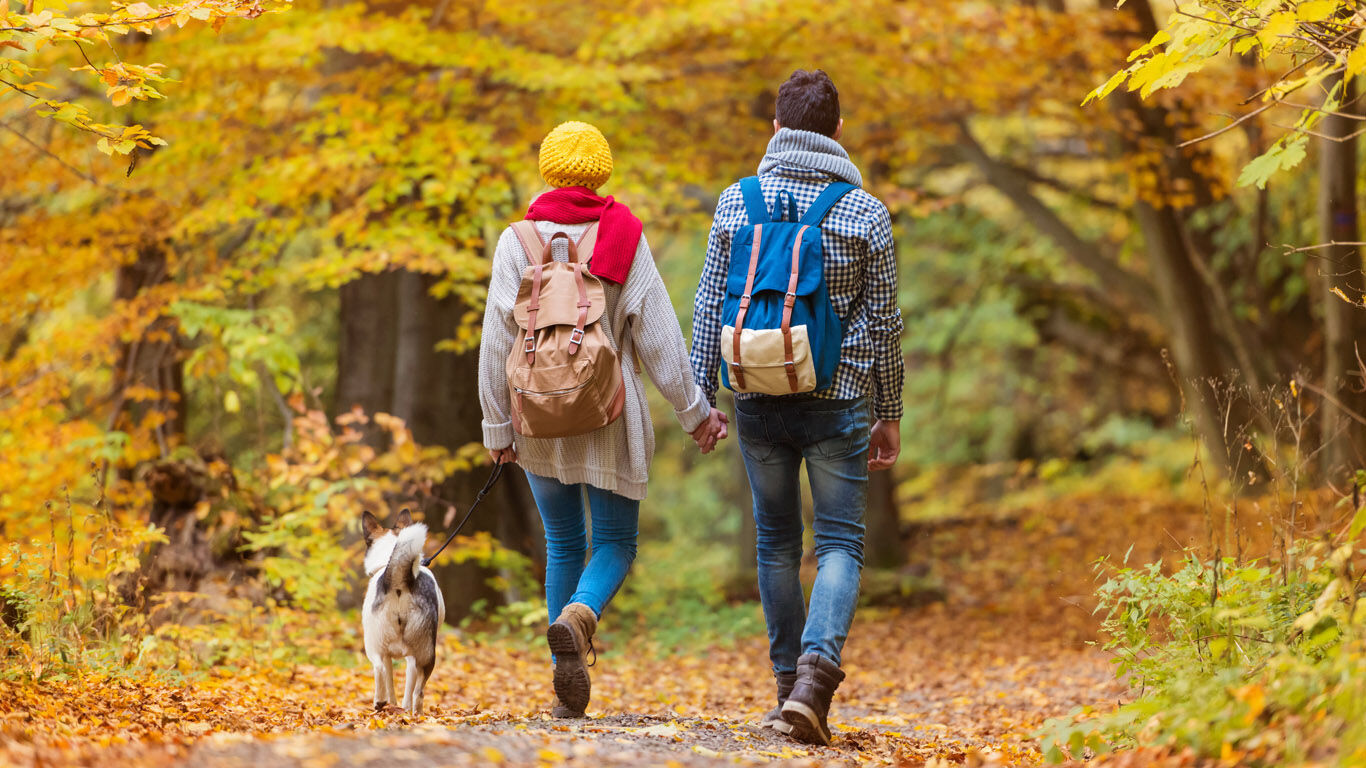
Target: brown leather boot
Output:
[
  {"x": 570, "y": 639},
  {"x": 561, "y": 712},
  {"x": 774, "y": 717},
  {"x": 808, "y": 706}
]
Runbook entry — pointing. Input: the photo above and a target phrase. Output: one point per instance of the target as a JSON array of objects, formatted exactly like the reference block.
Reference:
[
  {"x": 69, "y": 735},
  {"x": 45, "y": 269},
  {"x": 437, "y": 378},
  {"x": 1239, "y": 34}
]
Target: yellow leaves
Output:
[
  {"x": 1315, "y": 10},
  {"x": 1356, "y": 62},
  {"x": 1280, "y": 23}
]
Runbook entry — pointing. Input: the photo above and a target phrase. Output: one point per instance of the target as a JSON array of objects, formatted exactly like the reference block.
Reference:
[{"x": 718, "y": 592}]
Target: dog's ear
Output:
[
  {"x": 369, "y": 525},
  {"x": 405, "y": 519}
]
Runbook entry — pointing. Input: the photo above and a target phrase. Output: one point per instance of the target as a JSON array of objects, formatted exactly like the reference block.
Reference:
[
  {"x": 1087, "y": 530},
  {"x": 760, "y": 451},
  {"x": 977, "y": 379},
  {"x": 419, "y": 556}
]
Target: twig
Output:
[
  {"x": 1329, "y": 244},
  {"x": 52, "y": 155},
  {"x": 1353, "y": 415},
  {"x": 1228, "y": 127}
]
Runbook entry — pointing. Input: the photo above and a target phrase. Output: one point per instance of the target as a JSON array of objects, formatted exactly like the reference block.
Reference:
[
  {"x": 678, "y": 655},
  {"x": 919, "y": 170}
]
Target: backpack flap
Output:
[{"x": 772, "y": 273}]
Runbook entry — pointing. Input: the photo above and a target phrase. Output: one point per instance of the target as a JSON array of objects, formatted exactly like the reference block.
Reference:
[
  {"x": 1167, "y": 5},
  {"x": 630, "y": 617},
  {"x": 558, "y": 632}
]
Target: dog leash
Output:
[{"x": 493, "y": 478}]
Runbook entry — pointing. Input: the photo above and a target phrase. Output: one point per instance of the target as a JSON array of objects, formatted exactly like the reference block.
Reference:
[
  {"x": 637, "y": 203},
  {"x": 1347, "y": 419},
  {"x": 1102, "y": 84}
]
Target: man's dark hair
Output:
[{"x": 808, "y": 101}]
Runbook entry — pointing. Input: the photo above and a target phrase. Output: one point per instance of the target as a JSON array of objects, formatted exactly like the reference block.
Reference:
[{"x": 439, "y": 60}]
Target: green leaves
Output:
[
  {"x": 1313, "y": 33},
  {"x": 1287, "y": 153}
]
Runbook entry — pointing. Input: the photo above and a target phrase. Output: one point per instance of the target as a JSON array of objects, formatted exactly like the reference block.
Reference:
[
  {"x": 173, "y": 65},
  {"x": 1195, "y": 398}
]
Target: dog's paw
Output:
[
  {"x": 380, "y": 705},
  {"x": 393, "y": 709}
]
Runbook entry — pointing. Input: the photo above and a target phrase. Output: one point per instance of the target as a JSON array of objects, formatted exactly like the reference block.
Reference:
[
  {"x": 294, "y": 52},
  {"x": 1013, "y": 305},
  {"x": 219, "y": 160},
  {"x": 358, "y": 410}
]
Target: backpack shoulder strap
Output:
[
  {"x": 827, "y": 199},
  {"x": 531, "y": 240},
  {"x": 587, "y": 240},
  {"x": 754, "y": 200}
]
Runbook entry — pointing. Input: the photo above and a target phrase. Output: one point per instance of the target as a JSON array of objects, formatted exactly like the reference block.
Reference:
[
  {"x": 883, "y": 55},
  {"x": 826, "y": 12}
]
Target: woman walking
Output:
[{"x": 614, "y": 311}]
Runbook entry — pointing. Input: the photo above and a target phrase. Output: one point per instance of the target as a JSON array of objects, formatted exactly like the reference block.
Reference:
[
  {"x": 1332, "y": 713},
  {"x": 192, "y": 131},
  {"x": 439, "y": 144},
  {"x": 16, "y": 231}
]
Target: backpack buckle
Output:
[
  {"x": 576, "y": 336},
  {"x": 530, "y": 345}
]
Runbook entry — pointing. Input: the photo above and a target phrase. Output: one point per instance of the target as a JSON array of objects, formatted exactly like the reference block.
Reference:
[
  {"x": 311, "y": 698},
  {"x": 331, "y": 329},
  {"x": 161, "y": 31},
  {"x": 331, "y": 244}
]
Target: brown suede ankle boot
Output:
[
  {"x": 808, "y": 706},
  {"x": 561, "y": 712},
  {"x": 774, "y": 717},
  {"x": 570, "y": 638}
]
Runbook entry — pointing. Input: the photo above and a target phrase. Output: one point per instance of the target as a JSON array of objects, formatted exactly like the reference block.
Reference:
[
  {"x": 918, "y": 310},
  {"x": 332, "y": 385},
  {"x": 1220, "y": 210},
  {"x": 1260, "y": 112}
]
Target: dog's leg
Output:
[
  {"x": 389, "y": 694},
  {"x": 420, "y": 686},
  {"x": 409, "y": 677},
  {"x": 381, "y": 693}
]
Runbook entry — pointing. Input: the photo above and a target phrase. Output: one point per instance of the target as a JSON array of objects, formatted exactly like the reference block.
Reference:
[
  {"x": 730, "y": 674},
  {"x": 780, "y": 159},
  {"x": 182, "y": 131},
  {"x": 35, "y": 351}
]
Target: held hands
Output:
[
  {"x": 506, "y": 455},
  {"x": 711, "y": 431},
  {"x": 884, "y": 445}
]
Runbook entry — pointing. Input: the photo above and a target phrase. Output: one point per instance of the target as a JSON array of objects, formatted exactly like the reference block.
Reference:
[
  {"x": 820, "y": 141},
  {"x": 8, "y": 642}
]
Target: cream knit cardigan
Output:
[{"x": 616, "y": 457}]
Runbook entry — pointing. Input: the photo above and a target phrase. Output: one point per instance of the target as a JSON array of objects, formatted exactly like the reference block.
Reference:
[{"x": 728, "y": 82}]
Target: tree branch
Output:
[
  {"x": 1016, "y": 188},
  {"x": 50, "y": 154}
]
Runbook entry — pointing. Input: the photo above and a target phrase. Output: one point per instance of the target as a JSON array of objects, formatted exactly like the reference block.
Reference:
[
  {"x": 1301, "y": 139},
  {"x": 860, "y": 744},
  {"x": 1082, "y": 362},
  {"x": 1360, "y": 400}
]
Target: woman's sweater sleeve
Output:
[
  {"x": 658, "y": 340},
  {"x": 499, "y": 333}
]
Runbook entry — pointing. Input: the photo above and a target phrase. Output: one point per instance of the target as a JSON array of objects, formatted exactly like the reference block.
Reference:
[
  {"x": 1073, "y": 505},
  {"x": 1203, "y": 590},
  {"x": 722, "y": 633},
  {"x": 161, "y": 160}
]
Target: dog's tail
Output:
[{"x": 407, "y": 555}]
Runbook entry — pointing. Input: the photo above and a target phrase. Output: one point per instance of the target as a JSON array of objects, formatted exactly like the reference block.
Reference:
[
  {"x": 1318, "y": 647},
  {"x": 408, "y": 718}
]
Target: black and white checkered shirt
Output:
[{"x": 860, "y": 273}]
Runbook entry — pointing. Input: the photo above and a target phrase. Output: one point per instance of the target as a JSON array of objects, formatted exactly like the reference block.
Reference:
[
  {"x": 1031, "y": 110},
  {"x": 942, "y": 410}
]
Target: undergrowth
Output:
[{"x": 1247, "y": 659}]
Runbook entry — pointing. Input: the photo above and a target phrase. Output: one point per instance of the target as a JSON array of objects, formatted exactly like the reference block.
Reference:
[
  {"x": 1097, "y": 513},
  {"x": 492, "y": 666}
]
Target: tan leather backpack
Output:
[{"x": 563, "y": 374}]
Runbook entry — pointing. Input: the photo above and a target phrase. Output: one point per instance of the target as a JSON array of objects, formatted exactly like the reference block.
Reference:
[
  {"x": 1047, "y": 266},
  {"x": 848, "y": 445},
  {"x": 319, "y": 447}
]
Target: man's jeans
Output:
[
  {"x": 776, "y": 434},
  {"x": 615, "y": 522}
]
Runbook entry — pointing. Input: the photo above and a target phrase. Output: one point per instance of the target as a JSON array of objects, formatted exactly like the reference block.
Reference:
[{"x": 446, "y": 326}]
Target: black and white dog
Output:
[{"x": 403, "y": 609}]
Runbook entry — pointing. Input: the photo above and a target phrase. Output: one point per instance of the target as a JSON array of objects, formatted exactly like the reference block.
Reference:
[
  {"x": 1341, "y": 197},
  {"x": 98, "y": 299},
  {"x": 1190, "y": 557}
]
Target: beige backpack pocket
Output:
[{"x": 764, "y": 368}]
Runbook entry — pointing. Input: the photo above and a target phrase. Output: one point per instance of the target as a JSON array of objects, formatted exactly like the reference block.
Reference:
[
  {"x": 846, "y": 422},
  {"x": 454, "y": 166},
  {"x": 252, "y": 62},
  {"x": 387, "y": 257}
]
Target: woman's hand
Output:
[
  {"x": 711, "y": 430},
  {"x": 506, "y": 455}
]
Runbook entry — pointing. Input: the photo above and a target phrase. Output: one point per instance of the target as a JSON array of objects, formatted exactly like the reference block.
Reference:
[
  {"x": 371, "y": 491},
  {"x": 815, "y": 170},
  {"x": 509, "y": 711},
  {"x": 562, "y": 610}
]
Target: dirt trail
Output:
[
  {"x": 922, "y": 686},
  {"x": 963, "y": 681}
]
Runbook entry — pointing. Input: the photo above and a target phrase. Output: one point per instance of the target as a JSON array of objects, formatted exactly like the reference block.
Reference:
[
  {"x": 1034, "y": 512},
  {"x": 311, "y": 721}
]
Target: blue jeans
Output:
[
  {"x": 615, "y": 523},
  {"x": 776, "y": 434}
]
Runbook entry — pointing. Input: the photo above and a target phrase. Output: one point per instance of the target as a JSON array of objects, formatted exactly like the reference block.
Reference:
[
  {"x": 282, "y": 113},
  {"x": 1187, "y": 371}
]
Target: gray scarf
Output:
[{"x": 805, "y": 149}]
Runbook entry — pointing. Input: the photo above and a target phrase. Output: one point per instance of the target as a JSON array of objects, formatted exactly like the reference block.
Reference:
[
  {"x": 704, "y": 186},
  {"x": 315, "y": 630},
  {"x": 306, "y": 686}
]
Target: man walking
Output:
[{"x": 843, "y": 424}]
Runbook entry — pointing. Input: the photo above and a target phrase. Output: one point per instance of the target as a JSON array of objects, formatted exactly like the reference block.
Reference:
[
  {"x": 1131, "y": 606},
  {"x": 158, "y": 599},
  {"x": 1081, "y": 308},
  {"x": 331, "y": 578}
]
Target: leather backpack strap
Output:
[
  {"x": 534, "y": 247},
  {"x": 789, "y": 300},
  {"x": 531, "y": 239},
  {"x": 532, "y": 308},
  {"x": 568, "y": 243},
  {"x": 576, "y": 335},
  {"x": 744, "y": 305}
]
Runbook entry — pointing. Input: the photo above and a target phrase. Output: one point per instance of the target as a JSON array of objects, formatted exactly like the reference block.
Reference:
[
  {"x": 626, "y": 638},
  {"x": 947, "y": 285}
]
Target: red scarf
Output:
[{"x": 618, "y": 230}]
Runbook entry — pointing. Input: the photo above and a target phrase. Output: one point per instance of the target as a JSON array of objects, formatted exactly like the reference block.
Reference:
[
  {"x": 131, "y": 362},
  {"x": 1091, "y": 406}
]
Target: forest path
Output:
[
  {"x": 965, "y": 680},
  {"x": 961, "y": 681},
  {"x": 923, "y": 685}
]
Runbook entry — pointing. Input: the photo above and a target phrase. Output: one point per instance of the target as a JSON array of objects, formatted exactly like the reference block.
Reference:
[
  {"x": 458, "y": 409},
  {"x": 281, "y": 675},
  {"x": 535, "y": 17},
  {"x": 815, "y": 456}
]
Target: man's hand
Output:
[
  {"x": 711, "y": 430},
  {"x": 506, "y": 455},
  {"x": 884, "y": 445}
]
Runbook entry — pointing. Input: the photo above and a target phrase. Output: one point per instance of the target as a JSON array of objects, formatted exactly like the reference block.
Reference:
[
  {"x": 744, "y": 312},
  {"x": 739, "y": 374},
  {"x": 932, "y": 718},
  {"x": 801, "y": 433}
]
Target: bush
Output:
[{"x": 1257, "y": 662}]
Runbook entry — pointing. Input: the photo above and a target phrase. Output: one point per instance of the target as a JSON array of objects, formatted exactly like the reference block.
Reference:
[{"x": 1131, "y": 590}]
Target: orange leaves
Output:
[{"x": 125, "y": 82}]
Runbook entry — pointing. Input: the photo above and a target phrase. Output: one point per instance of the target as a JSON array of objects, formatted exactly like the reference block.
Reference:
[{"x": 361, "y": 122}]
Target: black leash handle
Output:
[{"x": 488, "y": 484}]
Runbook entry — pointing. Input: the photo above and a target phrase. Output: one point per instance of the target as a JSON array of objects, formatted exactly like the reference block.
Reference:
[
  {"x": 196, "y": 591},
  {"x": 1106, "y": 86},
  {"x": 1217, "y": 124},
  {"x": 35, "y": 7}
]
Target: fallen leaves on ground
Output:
[{"x": 962, "y": 681}]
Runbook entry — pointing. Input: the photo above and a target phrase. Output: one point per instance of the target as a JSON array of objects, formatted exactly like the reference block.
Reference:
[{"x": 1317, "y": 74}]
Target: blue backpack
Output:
[{"x": 780, "y": 334}]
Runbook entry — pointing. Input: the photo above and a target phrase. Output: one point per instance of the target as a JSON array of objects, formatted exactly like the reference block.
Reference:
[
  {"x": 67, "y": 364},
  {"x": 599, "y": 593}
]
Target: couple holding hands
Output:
[{"x": 796, "y": 309}]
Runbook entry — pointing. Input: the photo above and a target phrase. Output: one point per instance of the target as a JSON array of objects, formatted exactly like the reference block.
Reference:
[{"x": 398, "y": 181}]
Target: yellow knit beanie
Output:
[{"x": 575, "y": 154}]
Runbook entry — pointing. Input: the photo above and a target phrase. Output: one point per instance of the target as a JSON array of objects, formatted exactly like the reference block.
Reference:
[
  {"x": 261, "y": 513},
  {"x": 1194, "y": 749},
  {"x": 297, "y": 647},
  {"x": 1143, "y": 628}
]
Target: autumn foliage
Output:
[{"x": 243, "y": 252}]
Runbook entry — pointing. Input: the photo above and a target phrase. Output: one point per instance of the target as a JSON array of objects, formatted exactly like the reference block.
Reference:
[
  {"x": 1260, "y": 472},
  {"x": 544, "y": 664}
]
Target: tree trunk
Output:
[
  {"x": 152, "y": 360},
  {"x": 365, "y": 361},
  {"x": 1204, "y": 358},
  {"x": 391, "y": 325},
  {"x": 1193, "y": 341},
  {"x": 1344, "y": 325},
  {"x": 882, "y": 547}
]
